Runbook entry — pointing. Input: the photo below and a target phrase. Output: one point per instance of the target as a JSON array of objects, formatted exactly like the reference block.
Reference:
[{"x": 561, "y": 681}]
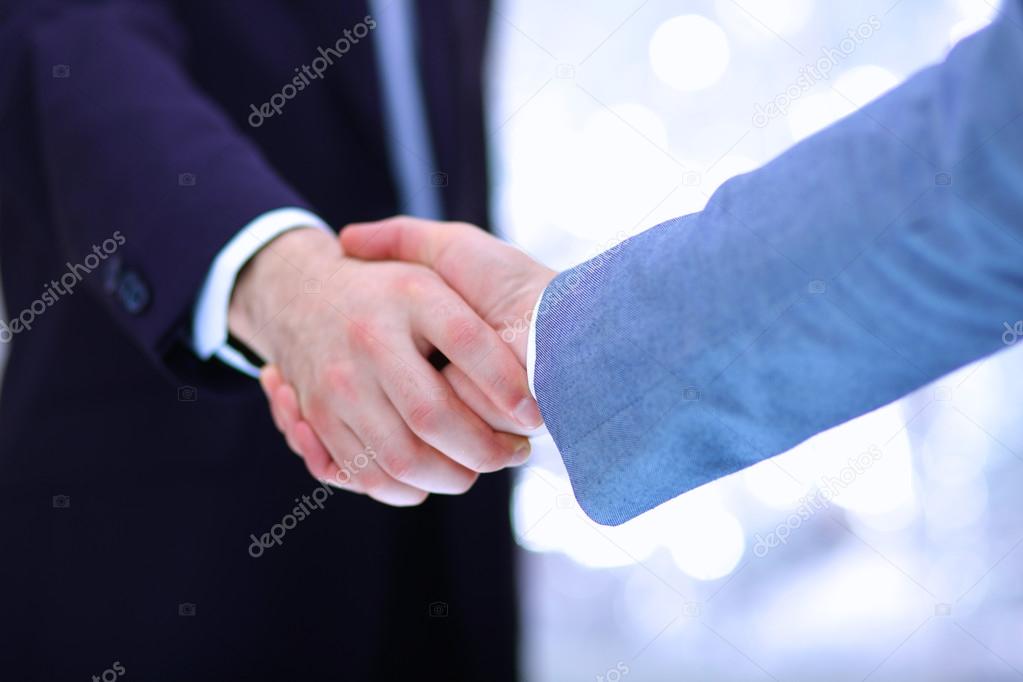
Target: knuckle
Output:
[
  {"x": 398, "y": 461},
  {"x": 371, "y": 434},
  {"x": 502, "y": 377},
  {"x": 416, "y": 283},
  {"x": 423, "y": 416},
  {"x": 363, "y": 335},
  {"x": 338, "y": 379},
  {"x": 464, "y": 333},
  {"x": 403, "y": 378},
  {"x": 371, "y": 480},
  {"x": 317, "y": 411}
]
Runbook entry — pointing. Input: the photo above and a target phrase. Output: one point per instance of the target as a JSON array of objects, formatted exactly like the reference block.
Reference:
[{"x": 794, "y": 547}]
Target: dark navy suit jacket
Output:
[{"x": 132, "y": 474}]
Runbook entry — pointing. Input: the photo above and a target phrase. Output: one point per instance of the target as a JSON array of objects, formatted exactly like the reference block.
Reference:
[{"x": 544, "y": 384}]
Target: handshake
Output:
[{"x": 348, "y": 328}]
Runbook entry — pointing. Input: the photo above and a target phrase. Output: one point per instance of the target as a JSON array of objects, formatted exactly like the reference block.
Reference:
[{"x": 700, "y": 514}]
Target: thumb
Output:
[{"x": 400, "y": 238}]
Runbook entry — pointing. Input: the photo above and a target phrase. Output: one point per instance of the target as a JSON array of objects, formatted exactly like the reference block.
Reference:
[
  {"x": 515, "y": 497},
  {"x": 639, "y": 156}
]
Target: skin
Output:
[
  {"x": 352, "y": 337},
  {"x": 496, "y": 280}
]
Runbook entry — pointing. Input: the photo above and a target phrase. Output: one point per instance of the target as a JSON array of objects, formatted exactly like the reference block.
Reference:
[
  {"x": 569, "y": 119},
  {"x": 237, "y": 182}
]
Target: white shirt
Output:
[{"x": 531, "y": 345}]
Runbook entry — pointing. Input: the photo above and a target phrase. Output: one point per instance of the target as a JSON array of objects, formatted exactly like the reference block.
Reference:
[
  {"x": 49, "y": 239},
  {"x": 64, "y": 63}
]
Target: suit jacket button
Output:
[
  {"x": 133, "y": 292},
  {"x": 112, "y": 274}
]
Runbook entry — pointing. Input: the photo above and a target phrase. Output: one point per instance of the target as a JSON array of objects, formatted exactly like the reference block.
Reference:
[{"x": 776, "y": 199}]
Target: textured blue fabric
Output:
[{"x": 866, "y": 261}]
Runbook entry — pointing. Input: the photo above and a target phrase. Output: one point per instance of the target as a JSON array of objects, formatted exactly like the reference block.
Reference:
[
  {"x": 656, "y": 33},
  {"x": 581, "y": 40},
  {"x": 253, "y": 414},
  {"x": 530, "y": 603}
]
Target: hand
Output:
[
  {"x": 351, "y": 337},
  {"x": 497, "y": 280}
]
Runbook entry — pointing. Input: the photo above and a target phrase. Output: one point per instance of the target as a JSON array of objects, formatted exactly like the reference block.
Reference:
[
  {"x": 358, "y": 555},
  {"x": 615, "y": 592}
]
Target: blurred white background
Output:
[{"x": 827, "y": 562}]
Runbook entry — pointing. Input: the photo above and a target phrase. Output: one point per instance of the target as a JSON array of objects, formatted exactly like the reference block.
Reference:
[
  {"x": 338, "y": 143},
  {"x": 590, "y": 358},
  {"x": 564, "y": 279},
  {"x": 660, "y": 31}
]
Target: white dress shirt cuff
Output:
[
  {"x": 209, "y": 318},
  {"x": 531, "y": 346}
]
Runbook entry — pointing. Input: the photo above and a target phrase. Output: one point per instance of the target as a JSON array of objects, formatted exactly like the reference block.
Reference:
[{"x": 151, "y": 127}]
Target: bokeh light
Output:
[
  {"x": 689, "y": 52},
  {"x": 753, "y": 20}
]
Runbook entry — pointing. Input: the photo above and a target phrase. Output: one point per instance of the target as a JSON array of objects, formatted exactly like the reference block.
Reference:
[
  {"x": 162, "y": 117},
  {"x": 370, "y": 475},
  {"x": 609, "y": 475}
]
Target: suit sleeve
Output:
[
  {"x": 865, "y": 262},
  {"x": 132, "y": 150}
]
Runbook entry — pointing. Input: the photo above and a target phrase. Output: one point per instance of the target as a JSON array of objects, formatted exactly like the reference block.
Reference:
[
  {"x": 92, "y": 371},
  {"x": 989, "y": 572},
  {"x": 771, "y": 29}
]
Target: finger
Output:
[
  {"x": 473, "y": 346},
  {"x": 469, "y": 394},
  {"x": 285, "y": 402},
  {"x": 474, "y": 399},
  {"x": 273, "y": 388},
  {"x": 270, "y": 380},
  {"x": 346, "y": 465},
  {"x": 402, "y": 454},
  {"x": 315, "y": 455},
  {"x": 435, "y": 414},
  {"x": 335, "y": 416},
  {"x": 287, "y": 413}
]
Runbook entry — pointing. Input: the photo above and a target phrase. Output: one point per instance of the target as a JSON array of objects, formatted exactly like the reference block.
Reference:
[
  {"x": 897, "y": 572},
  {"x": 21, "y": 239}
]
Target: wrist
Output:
[
  {"x": 271, "y": 280},
  {"x": 531, "y": 304}
]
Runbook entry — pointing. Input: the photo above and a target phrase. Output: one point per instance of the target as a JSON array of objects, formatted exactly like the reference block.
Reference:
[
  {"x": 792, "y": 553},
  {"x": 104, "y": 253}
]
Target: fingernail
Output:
[
  {"x": 528, "y": 414},
  {"x": 521, "y": 453}
]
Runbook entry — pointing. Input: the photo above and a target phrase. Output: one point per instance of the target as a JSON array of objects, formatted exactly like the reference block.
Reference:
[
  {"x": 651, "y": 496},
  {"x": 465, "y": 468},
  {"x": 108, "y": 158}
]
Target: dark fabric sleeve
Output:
[{"x": 133, "y": 151}]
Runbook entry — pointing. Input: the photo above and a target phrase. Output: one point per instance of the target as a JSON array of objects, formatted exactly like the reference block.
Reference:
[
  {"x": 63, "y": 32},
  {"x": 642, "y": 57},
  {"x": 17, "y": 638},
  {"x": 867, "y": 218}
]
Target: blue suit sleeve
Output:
[{"x": 865, "y": 262}]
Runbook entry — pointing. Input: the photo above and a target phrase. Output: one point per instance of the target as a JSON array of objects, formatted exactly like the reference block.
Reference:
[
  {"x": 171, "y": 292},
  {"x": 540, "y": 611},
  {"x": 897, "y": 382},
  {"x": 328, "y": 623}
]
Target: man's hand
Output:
[{"x": 351, "y": 337}]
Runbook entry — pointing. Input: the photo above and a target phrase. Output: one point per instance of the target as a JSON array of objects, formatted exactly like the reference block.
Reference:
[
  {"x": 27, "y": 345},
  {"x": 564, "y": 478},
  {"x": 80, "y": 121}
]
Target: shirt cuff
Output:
[
  {"x": 209, "y": 318},
  {"x": 531, "y": 346}
]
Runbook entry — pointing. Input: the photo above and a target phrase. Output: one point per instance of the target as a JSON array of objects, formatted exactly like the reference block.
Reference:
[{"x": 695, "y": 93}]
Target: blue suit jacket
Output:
[{"x": 864, "y": 262}]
